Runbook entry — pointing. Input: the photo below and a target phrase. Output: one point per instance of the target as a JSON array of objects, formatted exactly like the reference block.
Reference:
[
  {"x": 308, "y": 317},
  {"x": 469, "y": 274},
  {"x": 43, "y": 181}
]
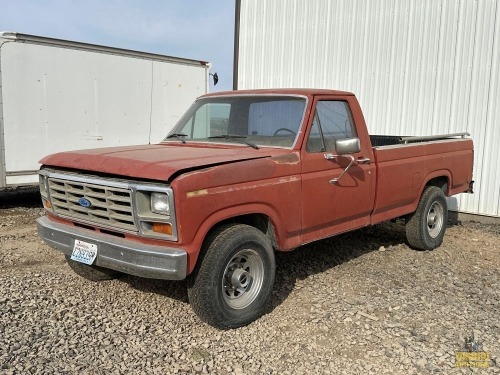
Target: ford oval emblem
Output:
[{"x": 84, "y": 202}]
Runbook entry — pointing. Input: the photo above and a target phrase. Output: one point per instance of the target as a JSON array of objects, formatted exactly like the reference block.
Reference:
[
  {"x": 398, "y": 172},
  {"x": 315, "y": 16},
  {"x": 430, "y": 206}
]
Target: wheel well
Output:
[
  {"x": 260, "y": 221},
  {"x": 440, "y": 182}
]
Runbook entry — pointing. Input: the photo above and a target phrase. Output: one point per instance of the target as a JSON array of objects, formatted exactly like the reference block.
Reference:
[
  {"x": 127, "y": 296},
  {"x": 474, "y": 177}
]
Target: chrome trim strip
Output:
[
  {"x": 85, "y": 179},
  {"x": 418, "y": 144},
  {"x": 434, "y": 137}
]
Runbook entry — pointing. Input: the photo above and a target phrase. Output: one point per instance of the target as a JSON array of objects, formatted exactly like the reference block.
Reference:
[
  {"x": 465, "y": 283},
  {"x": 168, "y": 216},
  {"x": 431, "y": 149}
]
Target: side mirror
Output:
[
  {"x": 215, "y": 77},
  {"x": 347, "y": 146}
]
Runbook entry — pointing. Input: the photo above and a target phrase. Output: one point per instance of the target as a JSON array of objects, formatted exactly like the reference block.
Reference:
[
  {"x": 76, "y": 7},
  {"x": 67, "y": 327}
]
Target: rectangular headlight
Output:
[{"x": 160, "y": 203}]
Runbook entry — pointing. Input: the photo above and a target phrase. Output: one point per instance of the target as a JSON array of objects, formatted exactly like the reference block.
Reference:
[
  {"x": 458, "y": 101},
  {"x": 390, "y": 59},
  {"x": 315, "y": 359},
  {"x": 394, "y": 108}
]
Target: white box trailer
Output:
[{"x": 60, "y": 95}]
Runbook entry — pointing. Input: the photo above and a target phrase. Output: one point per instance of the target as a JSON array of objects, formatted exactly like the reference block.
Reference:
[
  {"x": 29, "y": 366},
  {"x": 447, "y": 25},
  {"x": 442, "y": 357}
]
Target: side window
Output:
[{"x": 332, "y": 121}]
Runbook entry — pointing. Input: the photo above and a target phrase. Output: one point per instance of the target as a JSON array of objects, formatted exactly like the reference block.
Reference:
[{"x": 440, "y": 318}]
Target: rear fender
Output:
[{"x": 443, "y": 173}]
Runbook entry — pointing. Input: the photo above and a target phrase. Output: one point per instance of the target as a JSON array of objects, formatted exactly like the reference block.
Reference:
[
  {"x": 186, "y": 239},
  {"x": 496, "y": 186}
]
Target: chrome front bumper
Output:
[{"x": 155, "y": 262}]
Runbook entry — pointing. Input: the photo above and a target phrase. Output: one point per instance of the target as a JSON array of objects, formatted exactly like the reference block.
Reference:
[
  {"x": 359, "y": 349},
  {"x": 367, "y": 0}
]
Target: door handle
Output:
[
  {"x": 329, "y": 156},
  {"x": 362, "y": 160}
]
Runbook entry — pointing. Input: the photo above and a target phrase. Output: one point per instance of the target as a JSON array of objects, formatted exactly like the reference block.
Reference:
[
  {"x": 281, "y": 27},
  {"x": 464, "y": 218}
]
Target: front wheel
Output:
[
  {"x": 233, "y": 282},
  {"x": 426, "y": 226}
]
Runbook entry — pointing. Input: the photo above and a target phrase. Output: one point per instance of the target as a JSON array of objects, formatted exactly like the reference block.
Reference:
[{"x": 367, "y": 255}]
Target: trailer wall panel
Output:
[{"x": 61, "y": 95}]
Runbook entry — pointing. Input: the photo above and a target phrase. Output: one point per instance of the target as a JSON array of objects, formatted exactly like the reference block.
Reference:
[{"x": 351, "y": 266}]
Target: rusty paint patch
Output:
[
  {"x": 286, "y": 159},
  {"x": 196, "y": 193}
]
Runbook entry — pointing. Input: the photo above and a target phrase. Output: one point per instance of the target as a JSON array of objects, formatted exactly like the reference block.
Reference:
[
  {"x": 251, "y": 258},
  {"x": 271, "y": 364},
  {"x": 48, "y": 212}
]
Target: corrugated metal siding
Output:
[{"x": 418, "y": 67}]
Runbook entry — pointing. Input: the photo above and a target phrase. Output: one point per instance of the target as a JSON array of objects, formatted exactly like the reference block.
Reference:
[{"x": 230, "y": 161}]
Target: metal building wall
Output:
[{"x": 418, "y": 67}]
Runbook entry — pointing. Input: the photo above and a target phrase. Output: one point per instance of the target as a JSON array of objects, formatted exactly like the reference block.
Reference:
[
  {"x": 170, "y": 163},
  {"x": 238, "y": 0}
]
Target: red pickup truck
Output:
[{"x": 241, "y": 175}]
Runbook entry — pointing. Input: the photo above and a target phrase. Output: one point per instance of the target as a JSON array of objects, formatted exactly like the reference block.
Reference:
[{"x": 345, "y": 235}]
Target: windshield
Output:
[{"x": 251, "y": 120}]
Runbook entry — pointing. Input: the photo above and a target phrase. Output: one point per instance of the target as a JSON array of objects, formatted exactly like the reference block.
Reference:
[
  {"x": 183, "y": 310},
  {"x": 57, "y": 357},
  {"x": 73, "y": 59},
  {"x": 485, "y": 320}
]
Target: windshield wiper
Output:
[
  {"x": 237, "y": 138},
  {"x": 179, "y": 136}
]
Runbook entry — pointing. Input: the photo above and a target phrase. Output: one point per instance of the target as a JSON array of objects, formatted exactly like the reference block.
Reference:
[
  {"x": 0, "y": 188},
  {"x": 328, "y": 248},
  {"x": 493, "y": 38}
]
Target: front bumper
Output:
[{"x": 155, "y": 262}]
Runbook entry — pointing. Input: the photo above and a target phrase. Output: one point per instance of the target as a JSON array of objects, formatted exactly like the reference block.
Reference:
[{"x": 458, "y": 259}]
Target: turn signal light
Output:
[
  {"x": 163, "y": 228},
  {"x": 47, "y": 204}
]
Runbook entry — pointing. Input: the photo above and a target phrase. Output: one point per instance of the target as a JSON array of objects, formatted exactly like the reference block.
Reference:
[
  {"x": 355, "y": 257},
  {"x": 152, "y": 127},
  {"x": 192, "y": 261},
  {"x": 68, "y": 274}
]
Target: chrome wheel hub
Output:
[
  {"x": 435, "y": 219},
  {"x": 243, "y": 279}
]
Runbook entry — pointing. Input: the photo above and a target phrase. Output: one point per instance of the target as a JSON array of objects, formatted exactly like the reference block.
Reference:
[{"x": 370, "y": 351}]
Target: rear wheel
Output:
[
  {"x": 92, "y": 273},
  {"x": 232, "y": 284},
  {"x": 426, "y": 226}
]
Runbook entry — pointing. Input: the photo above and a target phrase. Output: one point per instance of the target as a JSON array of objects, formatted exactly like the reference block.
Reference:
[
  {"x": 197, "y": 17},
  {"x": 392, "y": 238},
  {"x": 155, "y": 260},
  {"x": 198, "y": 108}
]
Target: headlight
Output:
[
  {"x": 160, "y": 204},
  {"x": 155, "y": 209}
]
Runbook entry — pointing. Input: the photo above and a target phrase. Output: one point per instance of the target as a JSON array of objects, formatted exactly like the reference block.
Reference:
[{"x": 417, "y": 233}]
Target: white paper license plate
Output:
[{"x": 84, "y": 252}]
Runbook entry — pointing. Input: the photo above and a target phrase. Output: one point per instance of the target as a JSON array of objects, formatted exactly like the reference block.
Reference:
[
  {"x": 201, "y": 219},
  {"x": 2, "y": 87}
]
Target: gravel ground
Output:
[{"x": 361, "y": 303}]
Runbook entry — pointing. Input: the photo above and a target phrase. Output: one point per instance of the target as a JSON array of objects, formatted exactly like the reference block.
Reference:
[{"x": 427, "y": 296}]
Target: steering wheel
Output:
[{"x": 284, "y": 129}]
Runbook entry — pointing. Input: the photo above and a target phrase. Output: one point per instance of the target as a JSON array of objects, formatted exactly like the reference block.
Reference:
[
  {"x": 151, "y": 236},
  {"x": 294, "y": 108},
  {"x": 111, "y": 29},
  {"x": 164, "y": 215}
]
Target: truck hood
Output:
[{"x": 154, "y": 162}]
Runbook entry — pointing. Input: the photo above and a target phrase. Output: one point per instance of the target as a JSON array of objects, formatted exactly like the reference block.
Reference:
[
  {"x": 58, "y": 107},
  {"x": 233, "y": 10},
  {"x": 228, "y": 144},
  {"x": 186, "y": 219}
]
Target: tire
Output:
[
  {"x": 426, "y": 226},
  {"x": 92, "y": 273},
  {"x": 232, "y": 283}
]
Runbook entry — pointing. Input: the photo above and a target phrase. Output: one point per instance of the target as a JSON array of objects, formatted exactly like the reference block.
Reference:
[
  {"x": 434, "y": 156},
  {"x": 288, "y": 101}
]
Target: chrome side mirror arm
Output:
[{"x": 353, "y": 161}]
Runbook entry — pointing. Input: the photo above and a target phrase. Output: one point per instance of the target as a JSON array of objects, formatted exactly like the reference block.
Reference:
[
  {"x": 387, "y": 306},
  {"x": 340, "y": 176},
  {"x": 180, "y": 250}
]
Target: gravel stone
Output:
[{"x": 359, "y": 303}]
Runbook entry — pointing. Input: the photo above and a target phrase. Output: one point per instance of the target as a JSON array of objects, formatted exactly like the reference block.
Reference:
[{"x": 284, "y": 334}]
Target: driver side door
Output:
[{"x": 329, "y": 207}]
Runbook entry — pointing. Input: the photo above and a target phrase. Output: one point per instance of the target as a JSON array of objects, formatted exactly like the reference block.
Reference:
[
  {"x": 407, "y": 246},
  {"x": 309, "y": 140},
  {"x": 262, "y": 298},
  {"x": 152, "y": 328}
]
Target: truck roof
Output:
[{"x": 284, "y": 91}]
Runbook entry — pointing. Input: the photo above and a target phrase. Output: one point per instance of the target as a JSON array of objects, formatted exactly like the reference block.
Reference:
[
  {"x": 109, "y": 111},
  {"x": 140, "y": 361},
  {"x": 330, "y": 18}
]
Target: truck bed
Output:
[{"x": 405, "y": 168}]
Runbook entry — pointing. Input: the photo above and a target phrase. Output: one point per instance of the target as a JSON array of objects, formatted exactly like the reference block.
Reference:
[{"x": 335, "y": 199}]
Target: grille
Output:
[{"x": 110, "y": 206}]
